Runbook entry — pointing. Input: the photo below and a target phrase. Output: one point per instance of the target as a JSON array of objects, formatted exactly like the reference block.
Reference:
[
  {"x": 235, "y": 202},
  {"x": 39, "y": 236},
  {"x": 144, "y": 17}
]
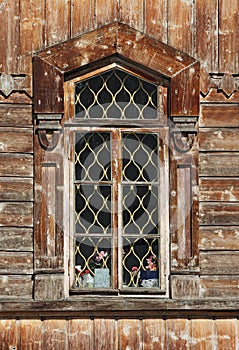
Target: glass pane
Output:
[
  {"x": 93, "y": 156},
  {"x": 140, "y": 209},
  {"x": 116, "y": 94},
  {"x": 140, "y": 157},
  {"x": 93, "y": 262},
  {"x": 140, "y": 262},
  {"x": 93, "y": 209}
]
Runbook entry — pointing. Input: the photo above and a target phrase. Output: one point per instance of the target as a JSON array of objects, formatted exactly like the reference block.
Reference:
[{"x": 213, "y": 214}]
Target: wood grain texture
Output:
[
  {"x": 32, "y": 28},
  {"x": 81, "y": 334},
  {"x": 181, "y": 25},
  {"x": 154, "y": 334},
  {"x": 225, "y": 334},
  {"x": 219, "y": 287},
  {"x": 16, "y": 263},
  {"x": 16, "y": 189},
  {"x": 31, "y": 334},
  {"x": 219, "y": 139},
  {"x": 57, "y": 19},
  {"x": 15, "y": 214},
  {"x": 202, "y": 334},
  {"x": 224, "y": 115},
  {"x": 219, "y": 189},
  {"x": 132, "y": 13},
  {"x": 130, "y": 334},
  {"x": 105, "y": 14},
  {"x": 16, "y": 115},
  {"x": 16, "y": 287},
  {"x": 228, "y": 36},
  {"x": 9, "y": 334},
  {"x": 16, "y": 239},
  {"x": 55, "y": 334},
  {"x": 82, "y": 16},
  {"x": 156, "y": 19},
  {"x": 219, "y": 238},
  {"x": 9, "y": 39},
  {"x": 13, "y": 164},
  {"x": 217, "y": 164},
  {"x": 221, "y": 213},
  {"x": 178, "y": 334},
  {"x": 105, "y": 334},
  {"x": 16, "y": 140},
  {"x": 218, "y": 263},
  {"x": 206, "y": 38}
]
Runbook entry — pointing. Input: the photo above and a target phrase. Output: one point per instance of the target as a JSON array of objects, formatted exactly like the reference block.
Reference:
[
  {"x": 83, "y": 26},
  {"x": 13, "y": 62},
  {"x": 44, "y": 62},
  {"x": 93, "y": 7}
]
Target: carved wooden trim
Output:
[
  {"x": 183, "y": 133},
  {"x": 10, "y": 83},
  {"x": 48, "y": 130}
]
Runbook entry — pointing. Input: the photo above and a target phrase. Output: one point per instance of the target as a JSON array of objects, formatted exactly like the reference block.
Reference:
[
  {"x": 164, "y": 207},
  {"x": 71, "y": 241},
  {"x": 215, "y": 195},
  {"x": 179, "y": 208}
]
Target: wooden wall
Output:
[
  {"x": 131, "y": 334},
  {"x": 205, "y": 29}
]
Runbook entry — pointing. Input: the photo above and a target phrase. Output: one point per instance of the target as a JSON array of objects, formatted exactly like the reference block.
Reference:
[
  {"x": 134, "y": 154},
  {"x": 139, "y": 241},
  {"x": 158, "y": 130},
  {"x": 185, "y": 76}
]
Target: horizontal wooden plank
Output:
[
  {"x": 219, "y": 238},
  {"x": 16, "y": 239},
  {"x": 16, "y": 263},
  {"x": 219, "y": 189},
  {"x": 16, "y": 140},
  {"x": 219, "y": 139},
  {"x": 219, "y": 164},
  {"x": 185, "y": 287},
  {"x": 219, "y": 115},
  {"x": 219, "y": 287},
  {"x": 16, "y": 164},
  {"x": 16, "y": 214},
  {"x": 219, "y": 263},
  {"x": 16, "y": 115},
  {"x": 218, "y": 213},
  {"x": 12, "y": 287},
  {"x": 16, "y": 189}
]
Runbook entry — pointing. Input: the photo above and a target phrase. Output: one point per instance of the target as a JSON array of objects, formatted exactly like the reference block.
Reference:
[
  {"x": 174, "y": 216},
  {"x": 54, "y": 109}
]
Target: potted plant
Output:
[
  {"x": 98, "y": 264},
  {"x": 149, "y": 276}
]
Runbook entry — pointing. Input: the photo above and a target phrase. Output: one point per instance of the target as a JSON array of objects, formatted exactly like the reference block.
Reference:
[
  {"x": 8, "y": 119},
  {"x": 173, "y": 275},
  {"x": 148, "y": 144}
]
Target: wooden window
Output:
[{"x": 119, "y": 183}]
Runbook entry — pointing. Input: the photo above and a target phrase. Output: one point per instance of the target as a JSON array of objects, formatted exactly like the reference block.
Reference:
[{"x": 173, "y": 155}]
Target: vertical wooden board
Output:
[
  {"x": 202, "y": 335},
  {"x": 105, "y": 334},
  {"x": 156, "y": 13},
  {"x": 105, "y": 13},
  {"x": 31, "y": 334},
  {"x": 225, "y": 332},
  {"x": 9, "y": 39},
  {"x": 9, "y": 334},
  {"x": 81, "y": 334},
  {"x": 55, "y": 334},
  {"x": 132, "y": 13},
  {"x": 57, "y": 21},
  {"x": 228, "y": 36},
  {"x": 206, "y": 38},
  {"x": 31, "y": 31},
  {"x": 130, "y": 334},
  {"x": 82, "y": 16},
  {"x": 178, "y": 334},
  {"x": 181, "y": 25},
  {"x": 154, "y": 336}
]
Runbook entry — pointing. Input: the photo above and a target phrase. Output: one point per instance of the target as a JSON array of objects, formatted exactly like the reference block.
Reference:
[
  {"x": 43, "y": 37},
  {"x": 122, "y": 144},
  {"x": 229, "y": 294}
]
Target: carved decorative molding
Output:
[
  {"x": 14, "y": 82},
  {"x": 183, "y": 132},
  {"x": 226, "y": 82},
  {"x": 48, "y": 130}
]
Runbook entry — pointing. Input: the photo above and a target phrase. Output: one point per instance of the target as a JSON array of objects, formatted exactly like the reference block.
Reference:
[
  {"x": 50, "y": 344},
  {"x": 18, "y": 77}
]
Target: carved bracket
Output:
[
  {"x": 183, "y": 132},
  {"x": 48, "y": 130}
]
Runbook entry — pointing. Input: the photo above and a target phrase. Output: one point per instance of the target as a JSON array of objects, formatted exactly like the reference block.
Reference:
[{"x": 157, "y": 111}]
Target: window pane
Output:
[
  {"x": 116, "y": 94},
  {"x": 91, "y": 255},
  {"x": 140, "y": 157},
  {"x": 140, "y": 209},
  {"x": 93, "y": 209},
  {"x": 93, "y": 156},
  {"x": 140, "y": 262}
]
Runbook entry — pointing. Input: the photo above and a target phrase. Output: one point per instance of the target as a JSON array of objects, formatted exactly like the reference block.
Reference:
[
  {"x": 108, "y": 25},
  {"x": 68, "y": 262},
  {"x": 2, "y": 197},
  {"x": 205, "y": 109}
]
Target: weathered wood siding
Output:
[
  {"x": 122, "y": 334},
  {"x": 204, "y": 29}
]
